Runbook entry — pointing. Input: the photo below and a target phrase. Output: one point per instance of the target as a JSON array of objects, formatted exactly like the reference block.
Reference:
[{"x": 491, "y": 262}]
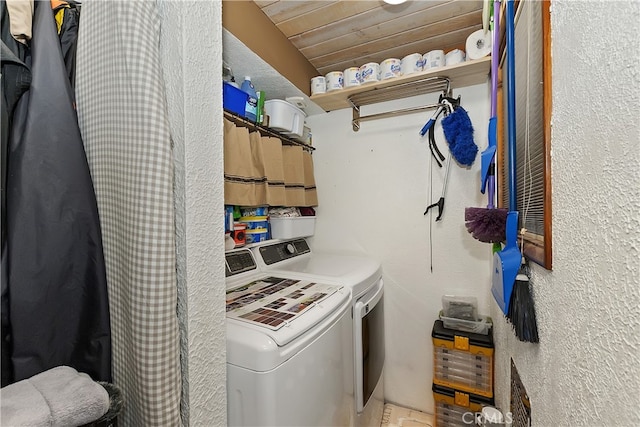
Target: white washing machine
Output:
[
  {"x": 294, "y": 258},
  {"x": 289, "y": 347}
]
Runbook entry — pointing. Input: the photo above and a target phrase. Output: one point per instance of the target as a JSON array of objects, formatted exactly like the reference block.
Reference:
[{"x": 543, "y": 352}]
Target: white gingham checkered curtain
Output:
[{"x": 122, "y": 115}]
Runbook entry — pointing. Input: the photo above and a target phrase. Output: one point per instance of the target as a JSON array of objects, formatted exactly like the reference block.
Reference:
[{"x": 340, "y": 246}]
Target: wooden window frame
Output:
[{"x": 535, "y": 247}]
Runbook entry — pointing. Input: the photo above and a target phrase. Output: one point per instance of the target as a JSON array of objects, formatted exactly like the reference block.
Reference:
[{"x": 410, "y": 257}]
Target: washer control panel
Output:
[
  {"x": 238, "y": 262},
  {"x": 283, "y": 250}
]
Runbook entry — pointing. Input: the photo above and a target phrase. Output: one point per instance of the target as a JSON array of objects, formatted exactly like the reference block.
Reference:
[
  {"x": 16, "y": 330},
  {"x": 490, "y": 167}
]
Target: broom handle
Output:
[
  {"x": 491, "y": 183},
  {"x": 494, "y": 58},
  {"x": 511, "y": 231},
  {"x": 491, "y": 179},
  {"x": 511, "y": 104},
  {"x": 446, "y": 176}
]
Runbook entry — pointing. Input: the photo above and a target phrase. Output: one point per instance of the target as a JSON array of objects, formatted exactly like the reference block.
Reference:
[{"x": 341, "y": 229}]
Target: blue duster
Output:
[{"x": 458, "y": 131}]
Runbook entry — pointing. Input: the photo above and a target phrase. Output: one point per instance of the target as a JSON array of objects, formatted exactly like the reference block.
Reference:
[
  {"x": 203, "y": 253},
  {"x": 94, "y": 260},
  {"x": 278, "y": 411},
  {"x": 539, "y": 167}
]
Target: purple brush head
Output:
[{"x": 486, "y": 225}]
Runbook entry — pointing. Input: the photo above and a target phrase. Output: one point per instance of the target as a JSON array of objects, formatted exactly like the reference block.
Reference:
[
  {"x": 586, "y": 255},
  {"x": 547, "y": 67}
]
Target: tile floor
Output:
[{"x": 397, "y": 416}]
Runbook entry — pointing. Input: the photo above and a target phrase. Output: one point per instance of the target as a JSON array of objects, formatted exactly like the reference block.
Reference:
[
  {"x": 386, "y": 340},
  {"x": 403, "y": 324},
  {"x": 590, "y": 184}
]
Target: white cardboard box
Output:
[{"x": 292, "y": 227}]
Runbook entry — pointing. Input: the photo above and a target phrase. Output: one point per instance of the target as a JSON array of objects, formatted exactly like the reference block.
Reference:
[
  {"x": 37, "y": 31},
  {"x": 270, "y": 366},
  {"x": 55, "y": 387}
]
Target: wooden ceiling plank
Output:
[
  {"x": 320, "y": 17},
  {"x": 396, "y": 27},
  {"x": 446, "y": 42},
  {"x": 374, "y": 47},
  {"x": 264, "y": 3},
  {"x": 354, "y": 24},
  {"x": 285, "y": 10}
]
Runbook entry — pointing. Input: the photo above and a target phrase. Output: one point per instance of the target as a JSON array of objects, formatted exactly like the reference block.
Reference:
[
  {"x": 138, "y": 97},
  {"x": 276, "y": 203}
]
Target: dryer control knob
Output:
[{"x": 290, "y": 249}]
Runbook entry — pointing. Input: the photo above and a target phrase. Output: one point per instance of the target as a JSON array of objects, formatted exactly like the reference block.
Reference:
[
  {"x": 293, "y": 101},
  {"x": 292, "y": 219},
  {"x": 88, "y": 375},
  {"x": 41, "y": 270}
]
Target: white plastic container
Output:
[
  {"x": 306, "y": 135},
  {"x": 292, "y": 227},
  {"x": 481, "y": 326},
  {"x": 285, "y": 117}
]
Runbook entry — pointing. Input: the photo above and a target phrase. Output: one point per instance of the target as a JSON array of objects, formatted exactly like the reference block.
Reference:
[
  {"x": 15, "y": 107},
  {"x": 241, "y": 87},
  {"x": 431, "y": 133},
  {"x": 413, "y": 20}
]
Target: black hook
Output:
[
  {"x": 440, "y": 205},
  {"x": 454, "y": 101}
]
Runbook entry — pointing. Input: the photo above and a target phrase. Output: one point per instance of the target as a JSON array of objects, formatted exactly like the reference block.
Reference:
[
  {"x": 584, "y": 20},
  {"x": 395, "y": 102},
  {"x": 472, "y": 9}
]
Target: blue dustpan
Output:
[{"x": 506, "y": 264}]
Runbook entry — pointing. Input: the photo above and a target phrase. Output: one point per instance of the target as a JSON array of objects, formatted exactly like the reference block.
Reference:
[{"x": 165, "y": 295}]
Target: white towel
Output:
[{"x": 58, "y": 397}]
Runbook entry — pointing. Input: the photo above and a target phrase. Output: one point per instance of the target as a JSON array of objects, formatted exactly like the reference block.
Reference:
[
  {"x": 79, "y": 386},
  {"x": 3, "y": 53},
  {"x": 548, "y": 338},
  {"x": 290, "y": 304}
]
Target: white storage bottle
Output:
[{"x": 251, "y": 108}]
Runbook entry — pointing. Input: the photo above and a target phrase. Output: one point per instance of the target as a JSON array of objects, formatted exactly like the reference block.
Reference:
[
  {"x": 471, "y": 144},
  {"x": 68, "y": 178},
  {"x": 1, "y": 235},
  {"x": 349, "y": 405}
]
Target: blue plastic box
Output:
[{"x": 233, "y": 99}]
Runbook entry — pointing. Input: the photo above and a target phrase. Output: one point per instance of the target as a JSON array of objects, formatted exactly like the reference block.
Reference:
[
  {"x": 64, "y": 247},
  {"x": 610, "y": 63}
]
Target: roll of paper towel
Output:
[{"x": 478, "y": 45}]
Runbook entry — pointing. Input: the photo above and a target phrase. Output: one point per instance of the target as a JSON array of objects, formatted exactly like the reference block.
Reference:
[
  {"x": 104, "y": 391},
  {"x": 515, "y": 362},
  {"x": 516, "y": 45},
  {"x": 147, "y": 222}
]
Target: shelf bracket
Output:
[{"x": 355, "y": 122}]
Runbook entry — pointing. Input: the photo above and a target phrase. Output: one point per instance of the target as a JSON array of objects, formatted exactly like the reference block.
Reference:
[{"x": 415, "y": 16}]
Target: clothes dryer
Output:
[{"x": 294, "y": 258}]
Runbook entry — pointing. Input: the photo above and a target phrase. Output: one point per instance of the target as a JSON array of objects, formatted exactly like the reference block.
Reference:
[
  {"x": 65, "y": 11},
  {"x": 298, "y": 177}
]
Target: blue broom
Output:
[
  {"x": 507, "y": 262},
  {"x": 521, "y": 309}
]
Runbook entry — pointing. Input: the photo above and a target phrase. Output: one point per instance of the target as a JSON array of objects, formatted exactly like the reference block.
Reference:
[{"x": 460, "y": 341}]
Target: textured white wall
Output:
[
  {"x": 194, "y": 101},
  {"x": 586, "y": 369},
  {"x": 373, "y": 188}
]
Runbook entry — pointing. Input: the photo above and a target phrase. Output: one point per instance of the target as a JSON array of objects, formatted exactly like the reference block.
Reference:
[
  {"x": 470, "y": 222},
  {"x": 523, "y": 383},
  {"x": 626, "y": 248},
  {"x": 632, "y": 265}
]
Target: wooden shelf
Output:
[{"x": 464, "y": 74}]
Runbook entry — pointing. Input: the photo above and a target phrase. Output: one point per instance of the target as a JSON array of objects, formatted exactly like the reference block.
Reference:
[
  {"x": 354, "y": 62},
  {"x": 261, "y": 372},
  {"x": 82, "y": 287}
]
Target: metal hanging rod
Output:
[
  {"x": 356, "y": 122},
  {"x": 416, "y": 87},
  {"x": 403, "y": 90},
  {"x": 265, "y": 131}
]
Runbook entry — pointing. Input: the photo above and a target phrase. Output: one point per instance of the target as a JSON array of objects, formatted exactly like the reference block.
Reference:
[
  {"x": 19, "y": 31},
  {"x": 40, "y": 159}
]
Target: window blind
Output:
[{"x": 530, "y": 122}]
